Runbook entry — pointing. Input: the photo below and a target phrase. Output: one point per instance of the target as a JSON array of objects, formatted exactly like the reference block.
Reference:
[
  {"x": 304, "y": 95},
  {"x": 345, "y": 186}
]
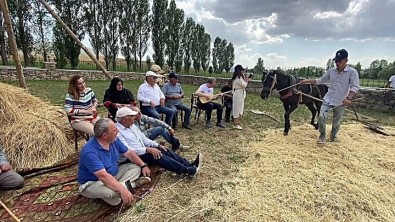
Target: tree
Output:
[
  {"x": 3, "y": 41},
  {"x": 94, "y": 22},
  {"x": 59, "y": 46},
  {"x": 143, "y": 29},
  {"x": 173, "y": 33},
  {"x": 206, "y": 51},
  {"x": 259, "y": 67},
  {"x": 111, "y": 14},
  {"x": 42, "y": 24},
  {"x": 148, "y": 61},
  {"x": 70, "y": 11},
  {"x": 230, "y": 57},
  {"x": 330, "y": 64},
  {"x": 197, "y": 37},
  {"x": 21, "y": 15},
  {"x": 12, "y": 42},
  {"x": 128, "y": 31},
  {"x": 210, "y": 70},
  {"x": 222, "y": 53},
  {"x": 187, "y": 43},
  {"x": 158, "y": 27},
  {"x": 216, "y": 54}
]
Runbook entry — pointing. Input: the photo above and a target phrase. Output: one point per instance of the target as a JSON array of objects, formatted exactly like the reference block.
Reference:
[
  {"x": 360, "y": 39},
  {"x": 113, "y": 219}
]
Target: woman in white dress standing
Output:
[{"x": 239, "y": 86}]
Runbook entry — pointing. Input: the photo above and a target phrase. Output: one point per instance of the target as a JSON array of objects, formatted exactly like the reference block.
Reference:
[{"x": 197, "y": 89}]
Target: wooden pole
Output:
[
  {"x": 75, "y": 38},
  {"x": 9, "y": 211},
  {"x": 12, "y": 42}
]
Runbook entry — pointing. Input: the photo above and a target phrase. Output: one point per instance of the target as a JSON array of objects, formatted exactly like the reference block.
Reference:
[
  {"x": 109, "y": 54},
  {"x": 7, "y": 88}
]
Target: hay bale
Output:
[{"x": 34, "y": 133}]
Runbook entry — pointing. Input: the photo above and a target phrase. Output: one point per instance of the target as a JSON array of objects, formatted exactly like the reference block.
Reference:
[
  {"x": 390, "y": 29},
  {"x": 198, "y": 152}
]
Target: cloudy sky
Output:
[{"x": 294, "y": 33}]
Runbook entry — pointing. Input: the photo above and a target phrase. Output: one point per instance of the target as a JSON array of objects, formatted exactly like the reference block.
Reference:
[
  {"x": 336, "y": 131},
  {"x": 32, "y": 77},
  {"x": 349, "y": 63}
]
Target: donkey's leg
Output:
[{"x": 313, "y": 111}]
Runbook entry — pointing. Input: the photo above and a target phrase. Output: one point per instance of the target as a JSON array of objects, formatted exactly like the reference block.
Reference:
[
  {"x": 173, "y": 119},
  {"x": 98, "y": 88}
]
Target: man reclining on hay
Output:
[
  {"x": 150, "y": 151},
  {"x": 9, "y": 179},
  {"x": 159, "y": 128},
  {"x": 100, "y": 176}
]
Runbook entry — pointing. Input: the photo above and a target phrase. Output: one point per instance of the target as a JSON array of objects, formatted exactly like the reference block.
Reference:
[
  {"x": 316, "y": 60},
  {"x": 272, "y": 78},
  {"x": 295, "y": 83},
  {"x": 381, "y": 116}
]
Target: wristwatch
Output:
[
  {"x": 144, "y": 165},
  {"x": 349, "y": 97}
]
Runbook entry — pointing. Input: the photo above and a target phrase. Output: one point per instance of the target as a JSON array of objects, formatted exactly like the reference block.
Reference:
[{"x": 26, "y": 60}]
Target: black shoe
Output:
[
  {"x": 208, "y": 124},
  {"x": 186, "y": 127},
  {"x": 219, "y": 124},
  {"x": 198, "y": 159},
  {"x": 192, "y": 171}
]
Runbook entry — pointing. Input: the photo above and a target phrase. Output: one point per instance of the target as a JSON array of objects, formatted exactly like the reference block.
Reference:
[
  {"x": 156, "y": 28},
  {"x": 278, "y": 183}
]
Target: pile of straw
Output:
[
  {"x": 283, "y": 178},
  {"x": 293, "y": 179},
  {"x": 33, "y": 133}
]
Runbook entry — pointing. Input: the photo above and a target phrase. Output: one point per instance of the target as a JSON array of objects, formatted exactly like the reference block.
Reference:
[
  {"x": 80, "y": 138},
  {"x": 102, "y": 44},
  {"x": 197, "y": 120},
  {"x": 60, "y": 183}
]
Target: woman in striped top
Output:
[{"x": 80, "y": 105}]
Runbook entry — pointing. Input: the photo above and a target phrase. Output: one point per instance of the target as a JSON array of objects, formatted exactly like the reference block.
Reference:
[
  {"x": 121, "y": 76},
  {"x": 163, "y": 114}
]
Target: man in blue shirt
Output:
[
  {"x": 173, "y": 94},
  {"x": 344, "y": 84},
  {"x": 100, "y": 176}
]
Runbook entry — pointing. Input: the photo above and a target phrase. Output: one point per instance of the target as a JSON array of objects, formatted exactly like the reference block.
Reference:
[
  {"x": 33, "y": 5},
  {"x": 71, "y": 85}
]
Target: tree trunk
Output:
[
  {"x": 75, "y": 38},
  {"x": 23, "y": 39},
  {"x": 3, "y": 52},
  {"x": 12, "y": 42},
  {"x": 44, "y": 49}
]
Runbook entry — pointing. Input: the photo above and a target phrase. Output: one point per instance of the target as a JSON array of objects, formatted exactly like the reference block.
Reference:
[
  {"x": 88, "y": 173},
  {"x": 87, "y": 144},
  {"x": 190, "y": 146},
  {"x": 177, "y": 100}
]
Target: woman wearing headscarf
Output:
[
  {"x": 116, "y": 96},
  {"x": 239, "y": 86}
]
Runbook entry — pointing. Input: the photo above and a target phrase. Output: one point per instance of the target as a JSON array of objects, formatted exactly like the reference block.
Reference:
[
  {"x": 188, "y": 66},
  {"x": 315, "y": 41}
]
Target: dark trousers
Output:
[
  {"x": 169, "y": 161},
  {"x": 228, "y": 110},
  {"x": 209, "y": 109},
  {"x": 147, "y": 110}
]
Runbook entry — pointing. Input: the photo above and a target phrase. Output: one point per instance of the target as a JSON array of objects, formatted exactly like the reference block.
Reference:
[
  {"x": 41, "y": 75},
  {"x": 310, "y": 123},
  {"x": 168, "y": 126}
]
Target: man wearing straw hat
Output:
[
  {"x": 100, "y": 176},
  {"x": 152, "y": 99},
  {"x": 9, "y": 179}
]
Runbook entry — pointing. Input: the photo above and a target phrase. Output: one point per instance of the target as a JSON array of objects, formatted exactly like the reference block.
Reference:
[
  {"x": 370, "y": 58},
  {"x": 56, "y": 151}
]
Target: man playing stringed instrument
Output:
[{"x": 205, "y": 101}]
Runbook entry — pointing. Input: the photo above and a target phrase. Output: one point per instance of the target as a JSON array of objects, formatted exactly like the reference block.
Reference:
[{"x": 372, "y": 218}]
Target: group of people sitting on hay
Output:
[{"x": 116, "y": 158}]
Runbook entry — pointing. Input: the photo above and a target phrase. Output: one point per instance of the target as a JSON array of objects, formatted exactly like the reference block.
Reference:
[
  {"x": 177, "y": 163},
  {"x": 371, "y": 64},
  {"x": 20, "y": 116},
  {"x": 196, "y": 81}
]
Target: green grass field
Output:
[{"x": 55, "y": 91}]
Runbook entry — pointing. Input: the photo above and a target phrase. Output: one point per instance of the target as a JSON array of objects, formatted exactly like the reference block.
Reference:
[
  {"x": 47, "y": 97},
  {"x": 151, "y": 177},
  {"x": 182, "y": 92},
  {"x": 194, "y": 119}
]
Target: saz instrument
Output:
[{"x": 204, "y": 100}]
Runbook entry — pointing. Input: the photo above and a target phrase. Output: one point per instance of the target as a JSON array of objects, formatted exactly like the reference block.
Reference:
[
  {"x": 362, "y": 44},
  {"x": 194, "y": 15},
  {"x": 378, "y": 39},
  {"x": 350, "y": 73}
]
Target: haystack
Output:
[
  {"x": 33, "y": 132},
  {"x": 294, "y": 179}
]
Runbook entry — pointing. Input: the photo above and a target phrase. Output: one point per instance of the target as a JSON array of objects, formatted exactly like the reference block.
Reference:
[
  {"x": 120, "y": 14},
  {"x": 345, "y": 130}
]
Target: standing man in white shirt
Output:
[
  {"x": 153, "y": 99},
  {"x": 391, "y": 82},
  {"x": 207, "y": 90},
  {"x": 344, "y": 84}
]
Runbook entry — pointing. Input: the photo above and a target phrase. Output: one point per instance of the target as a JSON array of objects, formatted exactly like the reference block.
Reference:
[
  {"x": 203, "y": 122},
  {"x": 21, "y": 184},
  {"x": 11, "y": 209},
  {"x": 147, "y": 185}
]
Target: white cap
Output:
[
  {"x": 125, "y": 111},
  {"x": 150, "y": 73}
]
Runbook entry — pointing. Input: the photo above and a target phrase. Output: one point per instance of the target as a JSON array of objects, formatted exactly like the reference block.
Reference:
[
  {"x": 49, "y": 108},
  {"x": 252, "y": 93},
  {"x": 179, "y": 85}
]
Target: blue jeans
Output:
[
  {"x": 338, "y": 113},
  {"x": 157, "y": 131},
  {"x": 169, "y": 161},
  {"x": 147, "y": 110},
  {"x": 186, "y": 109}
]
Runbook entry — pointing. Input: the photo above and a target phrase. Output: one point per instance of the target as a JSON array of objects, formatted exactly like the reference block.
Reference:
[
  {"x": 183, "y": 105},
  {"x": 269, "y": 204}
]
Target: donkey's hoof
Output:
[
  {"x": 315, "y": 126},
  {"x": 285, "y": 133}
]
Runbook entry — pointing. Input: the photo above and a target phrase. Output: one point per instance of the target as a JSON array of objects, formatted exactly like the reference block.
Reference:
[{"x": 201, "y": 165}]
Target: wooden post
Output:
[
  {"x": 75, "y": 38},
  {"x": 12, "y": 42}
]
